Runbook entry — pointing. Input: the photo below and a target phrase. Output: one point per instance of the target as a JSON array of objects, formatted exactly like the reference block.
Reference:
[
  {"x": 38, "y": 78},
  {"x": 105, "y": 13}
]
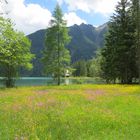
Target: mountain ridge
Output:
[{"x": 86, "y": 39}]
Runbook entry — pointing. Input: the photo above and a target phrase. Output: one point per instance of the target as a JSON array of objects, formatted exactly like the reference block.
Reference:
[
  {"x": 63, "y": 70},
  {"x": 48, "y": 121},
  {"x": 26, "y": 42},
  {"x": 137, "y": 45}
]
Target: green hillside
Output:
[{"x": 86, "y": 39}]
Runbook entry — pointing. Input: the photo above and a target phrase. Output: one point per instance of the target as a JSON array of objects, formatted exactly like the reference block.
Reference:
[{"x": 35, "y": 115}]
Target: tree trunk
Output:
[
  {"x": 9, "y": 81},
  {"x": 58, "y": 73}
]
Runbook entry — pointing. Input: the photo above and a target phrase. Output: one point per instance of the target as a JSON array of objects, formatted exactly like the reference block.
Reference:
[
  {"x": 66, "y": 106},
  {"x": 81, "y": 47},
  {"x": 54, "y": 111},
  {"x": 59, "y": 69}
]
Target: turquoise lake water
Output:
[{"x": 42, "y": 81}]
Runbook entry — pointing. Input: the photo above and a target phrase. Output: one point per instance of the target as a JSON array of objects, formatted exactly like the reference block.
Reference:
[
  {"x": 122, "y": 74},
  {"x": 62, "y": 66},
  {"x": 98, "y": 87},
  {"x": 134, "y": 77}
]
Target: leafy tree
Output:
[
  {"x": 94, "y": 66},
  {"x": 80, "y": 68},
  {"x": 56, "y": 57},
  {"x": 14, "y": 52},
  {"x": 119, "y": 55}
]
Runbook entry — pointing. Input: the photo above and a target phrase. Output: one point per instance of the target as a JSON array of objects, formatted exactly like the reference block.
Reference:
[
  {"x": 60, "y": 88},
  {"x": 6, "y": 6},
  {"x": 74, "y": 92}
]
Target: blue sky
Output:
[
  {"x": 95, "y": 19},
  {"x": 32, "y": 15}
]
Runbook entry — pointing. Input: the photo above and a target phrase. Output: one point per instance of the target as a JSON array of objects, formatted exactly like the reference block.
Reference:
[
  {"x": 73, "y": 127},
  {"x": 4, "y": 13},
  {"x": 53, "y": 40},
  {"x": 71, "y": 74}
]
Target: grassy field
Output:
[{"x": 76, "y": 112}]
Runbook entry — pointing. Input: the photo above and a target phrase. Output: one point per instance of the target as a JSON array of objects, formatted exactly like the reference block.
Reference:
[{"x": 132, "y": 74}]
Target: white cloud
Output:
[
  {"x": 28, "y": 18},
  {"x": 32, "y": 17},
  {"x": 72, "y": 19},
  {"x": 104, "y": 7}
]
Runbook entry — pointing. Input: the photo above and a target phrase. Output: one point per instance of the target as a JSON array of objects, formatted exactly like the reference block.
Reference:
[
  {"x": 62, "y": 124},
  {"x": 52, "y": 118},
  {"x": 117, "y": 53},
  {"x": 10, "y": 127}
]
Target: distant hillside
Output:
[{"x": 86, "y": 39}]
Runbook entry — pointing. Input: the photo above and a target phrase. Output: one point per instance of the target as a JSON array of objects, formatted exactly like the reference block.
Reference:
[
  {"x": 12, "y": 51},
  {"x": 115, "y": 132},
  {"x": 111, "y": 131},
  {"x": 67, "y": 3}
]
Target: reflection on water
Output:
[
  {"x": 40, "y": 81},
  {"x": 67, "y": 81}
]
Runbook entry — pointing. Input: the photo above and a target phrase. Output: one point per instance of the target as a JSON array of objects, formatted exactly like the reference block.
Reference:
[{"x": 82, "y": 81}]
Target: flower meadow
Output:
[{"x": 74, "y": 112}]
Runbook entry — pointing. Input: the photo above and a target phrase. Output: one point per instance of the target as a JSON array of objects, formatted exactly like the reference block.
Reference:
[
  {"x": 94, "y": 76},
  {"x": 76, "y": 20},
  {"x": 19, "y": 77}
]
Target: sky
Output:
[{"x": 32, "y": 15}]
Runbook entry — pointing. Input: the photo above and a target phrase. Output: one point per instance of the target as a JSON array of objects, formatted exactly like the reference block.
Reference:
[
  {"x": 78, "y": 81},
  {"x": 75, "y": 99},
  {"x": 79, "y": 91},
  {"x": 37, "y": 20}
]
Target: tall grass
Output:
[{"x": 76, "y": 112}]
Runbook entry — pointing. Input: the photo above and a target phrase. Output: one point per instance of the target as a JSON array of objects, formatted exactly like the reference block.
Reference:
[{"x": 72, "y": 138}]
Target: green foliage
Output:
[
  {"x": 94, "y": 66},
  {"x": 119, "y": 53},
  {"x": 90, "y": 68},
  {"x": 136, "y": 20},
  {"x": 14, "y": 51},
  {"x": 80, "y": 68},
  {"x": 80, "y": 47},
  {"x": 56, "y": 56}
]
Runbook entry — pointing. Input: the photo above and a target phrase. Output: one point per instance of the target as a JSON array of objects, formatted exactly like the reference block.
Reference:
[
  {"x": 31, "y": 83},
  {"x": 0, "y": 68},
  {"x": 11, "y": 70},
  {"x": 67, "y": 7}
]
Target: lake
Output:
[{"x": 42, "y": 81}]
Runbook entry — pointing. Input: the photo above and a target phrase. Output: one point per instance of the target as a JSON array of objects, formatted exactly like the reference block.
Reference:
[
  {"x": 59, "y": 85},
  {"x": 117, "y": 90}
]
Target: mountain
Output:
[{"x": 86, "y": 39}]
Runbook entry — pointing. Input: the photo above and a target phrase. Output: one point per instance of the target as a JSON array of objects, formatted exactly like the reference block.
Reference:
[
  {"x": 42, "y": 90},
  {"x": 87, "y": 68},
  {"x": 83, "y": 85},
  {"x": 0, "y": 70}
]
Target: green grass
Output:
[{"x": 76, "y": 112}]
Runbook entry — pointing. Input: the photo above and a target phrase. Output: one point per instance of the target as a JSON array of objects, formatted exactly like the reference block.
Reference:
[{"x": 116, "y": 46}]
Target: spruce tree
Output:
[
  {"x": 119, "y": 55},
  {"x": 136, "y": 20}
]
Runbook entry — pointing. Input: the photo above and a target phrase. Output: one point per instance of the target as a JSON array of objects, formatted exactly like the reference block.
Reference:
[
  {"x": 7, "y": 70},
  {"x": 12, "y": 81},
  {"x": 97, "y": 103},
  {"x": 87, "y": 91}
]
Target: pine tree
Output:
[{"x": 56, "y": 57}]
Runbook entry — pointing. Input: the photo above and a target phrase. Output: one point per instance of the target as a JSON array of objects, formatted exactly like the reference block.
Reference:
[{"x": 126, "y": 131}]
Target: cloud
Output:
[
  {"x": 32, "y": 17},
  {"x": 28, "y": 18},
  {"x": 104, "y": 7},
  {"x": 72, "y": 19}
]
